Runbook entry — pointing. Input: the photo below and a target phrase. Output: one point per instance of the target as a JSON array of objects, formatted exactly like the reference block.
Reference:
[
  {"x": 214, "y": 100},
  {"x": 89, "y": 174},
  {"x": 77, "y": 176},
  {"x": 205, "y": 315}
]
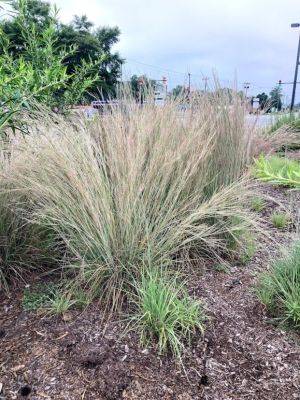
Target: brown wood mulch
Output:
[{"x": 241, "y": 356}]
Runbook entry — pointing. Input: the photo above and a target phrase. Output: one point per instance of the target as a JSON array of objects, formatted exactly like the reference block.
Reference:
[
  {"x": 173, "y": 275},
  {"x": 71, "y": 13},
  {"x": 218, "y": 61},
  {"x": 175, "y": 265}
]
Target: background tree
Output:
[
  {"x": 275, "y": 98},
  {"x": 82, "y": 24},
  {"x": 263, "y": 100},
  {"x": 179, "y": 90},
  {"x": 93, "y": 45},
  {"x": 141, "y": 85}
]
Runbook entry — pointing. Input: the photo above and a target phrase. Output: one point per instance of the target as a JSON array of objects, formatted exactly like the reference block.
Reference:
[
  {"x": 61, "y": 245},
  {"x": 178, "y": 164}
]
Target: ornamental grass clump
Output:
[
  {"x": 136, "y": 186},
  {"x": 164, "y": 312},
  {"x": 24, "y": 246},
  {"x": 279, "y": 288}
]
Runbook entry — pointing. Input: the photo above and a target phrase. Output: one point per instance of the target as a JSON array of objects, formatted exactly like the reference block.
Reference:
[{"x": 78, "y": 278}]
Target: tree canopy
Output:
[
  {"x": 262, "y": 100},
  {"x": 272, "y": 101},
  {"x": 141, "y": 85},
  {"x": 178, "y": 90},
  {"x": 275, "y": 98}
]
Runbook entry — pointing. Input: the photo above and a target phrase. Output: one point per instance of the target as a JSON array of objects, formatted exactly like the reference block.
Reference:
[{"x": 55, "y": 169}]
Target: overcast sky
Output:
[{"x": 249, "y": 39}]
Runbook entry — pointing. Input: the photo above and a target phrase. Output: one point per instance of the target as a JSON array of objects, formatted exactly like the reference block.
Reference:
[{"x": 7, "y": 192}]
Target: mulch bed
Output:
[{"x": 82, "y": 356}]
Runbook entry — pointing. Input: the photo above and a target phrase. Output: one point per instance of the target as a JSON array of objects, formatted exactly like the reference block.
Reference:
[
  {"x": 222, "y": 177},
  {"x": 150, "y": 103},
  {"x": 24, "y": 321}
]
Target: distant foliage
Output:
[
  {"x": 179, "y": 91},
  {"x": 140, "y": 86},
  {"x": 275, "y": 98},
  {"x": 263, "y": 100},
  {"x": 273, "y": 101}
]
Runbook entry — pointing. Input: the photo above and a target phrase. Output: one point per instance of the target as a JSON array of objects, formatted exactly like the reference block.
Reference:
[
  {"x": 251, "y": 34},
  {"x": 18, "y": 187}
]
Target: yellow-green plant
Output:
[
  {"x": 164, "y": 311},
  {"x": 278, "y": 171},
  {"x": 290, "y": 120}
]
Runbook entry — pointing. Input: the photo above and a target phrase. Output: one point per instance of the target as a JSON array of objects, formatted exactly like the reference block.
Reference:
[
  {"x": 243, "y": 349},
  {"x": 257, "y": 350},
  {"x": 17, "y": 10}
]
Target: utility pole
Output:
[
  {"x": 189, "y": 85},
  {"x": 296, "y": 25},
  {"x": 205, "y": 79}
]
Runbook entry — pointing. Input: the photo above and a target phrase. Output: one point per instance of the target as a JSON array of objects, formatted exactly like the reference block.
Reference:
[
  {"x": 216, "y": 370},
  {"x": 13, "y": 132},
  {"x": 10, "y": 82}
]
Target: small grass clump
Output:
[
  {"x": 60, "y": 302},
  {"x": 279, "y": 288},
  {"x": 257, "y": 204},
  {"x": 248, "y": 250},
  {"x": 165, "y": 312},
  {"x": 221, "y": 267},
  {"x": 280, "y": 220},
  {"x": 241, "y": 241},
  {"x": 278, "y": 171},
  {"x": 52, "y": 298}
]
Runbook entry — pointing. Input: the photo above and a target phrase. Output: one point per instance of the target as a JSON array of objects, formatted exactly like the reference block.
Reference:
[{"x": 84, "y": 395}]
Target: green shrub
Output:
[
  {"x": 60, "y": 302},
  {"x": 240, "y": 241},
  {"x": 80, "y": 297},
  {"x": 279, "y": 288},
  {"x": 235, "y": 234},
  {"x": 40, "y": 296},
  {"x": 257, "y": 204},
  {"x": 40, "y": 74},
  {"x": 296, "y": 124},
  {"x": 278, "y": 171},
  {"x": 280, "y": 220},
  {"x": 165, "y": 312}
]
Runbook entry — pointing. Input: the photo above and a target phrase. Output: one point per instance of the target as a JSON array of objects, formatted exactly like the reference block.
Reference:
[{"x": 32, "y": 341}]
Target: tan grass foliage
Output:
[{"x": 137, "y": 186}]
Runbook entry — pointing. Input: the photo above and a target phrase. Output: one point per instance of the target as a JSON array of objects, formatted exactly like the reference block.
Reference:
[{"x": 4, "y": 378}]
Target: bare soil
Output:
[{"x": 81, "y": 356}]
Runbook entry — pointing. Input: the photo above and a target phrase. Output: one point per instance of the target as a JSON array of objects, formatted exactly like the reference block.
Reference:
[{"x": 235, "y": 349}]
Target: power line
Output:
[
  {"x": 157, "y": 67},
  {"x": 165, "y": 69},
  {"x": 189, "y": 76}
]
